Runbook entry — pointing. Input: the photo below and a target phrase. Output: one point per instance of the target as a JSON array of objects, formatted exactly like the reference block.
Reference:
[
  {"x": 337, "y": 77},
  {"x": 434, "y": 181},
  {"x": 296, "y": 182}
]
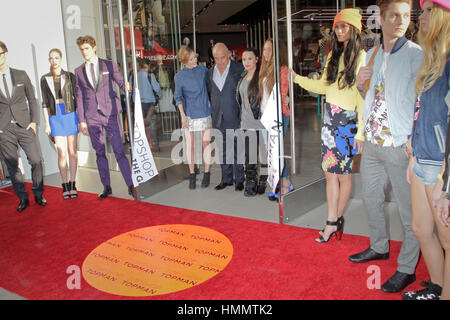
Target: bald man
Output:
[{"x": 222, "y": 80}]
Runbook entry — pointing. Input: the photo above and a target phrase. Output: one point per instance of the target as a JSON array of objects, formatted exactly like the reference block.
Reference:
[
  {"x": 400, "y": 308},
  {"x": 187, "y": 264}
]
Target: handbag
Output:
[{"x": 345, "y": 138}]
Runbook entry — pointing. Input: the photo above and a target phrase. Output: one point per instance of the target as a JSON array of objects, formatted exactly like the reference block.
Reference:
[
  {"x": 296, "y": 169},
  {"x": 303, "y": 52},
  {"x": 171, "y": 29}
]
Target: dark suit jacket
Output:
[
  {"x": 89, "y": 98},
  {"x": 23, "y": 101},
  {"x": 226, "y": 109}
]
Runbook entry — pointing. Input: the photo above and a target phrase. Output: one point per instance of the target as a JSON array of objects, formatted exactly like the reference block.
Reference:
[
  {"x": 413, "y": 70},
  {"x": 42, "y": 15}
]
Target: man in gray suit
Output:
[{"x": 19, "y": 116}]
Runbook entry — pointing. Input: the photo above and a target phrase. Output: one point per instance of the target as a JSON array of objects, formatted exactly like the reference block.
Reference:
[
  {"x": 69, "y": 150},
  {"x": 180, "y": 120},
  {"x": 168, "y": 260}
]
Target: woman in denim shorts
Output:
[
  {"x": 192, "y": 99},
  {"x": 427, "y": 145}
]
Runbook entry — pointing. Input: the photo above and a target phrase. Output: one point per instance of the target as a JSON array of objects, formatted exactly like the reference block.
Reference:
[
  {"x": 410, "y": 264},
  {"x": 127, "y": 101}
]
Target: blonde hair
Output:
[
  {"x": 184, "y": 53},
  {"x": 435, "y": 44}
]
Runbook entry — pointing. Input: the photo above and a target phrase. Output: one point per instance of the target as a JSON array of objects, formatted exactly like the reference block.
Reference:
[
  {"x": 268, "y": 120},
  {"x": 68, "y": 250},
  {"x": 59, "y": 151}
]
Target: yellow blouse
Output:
[{"x": 347, "y": 99}]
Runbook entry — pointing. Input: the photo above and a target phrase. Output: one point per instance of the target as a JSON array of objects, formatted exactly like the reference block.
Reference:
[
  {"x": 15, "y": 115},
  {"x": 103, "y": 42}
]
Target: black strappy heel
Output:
[
  {"x": 73, "y": 190},
  {"x": 339, "y": 220},
  {"x": 66, "y": 190},
  {"x": 338, "y": 233}
]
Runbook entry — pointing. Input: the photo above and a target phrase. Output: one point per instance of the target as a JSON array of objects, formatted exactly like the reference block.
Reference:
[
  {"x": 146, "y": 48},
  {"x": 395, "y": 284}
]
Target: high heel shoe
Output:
[
  {"x": 273, "y": 196},
  {"x": 340, "y": 221},
  {"x": 288, "y": 189},
  {"x": 337, "y": 233},
  {"x": 66, "y": 190},
  {"x": 73, "y": 190}
]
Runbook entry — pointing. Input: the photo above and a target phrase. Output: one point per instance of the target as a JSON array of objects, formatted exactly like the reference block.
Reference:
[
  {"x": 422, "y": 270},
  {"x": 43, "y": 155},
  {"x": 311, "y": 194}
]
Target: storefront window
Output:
[{"x": 156, "y": 42}]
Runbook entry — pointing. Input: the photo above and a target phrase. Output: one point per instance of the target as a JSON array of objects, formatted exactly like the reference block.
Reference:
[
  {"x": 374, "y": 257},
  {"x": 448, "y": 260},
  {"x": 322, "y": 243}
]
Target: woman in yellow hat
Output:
[{"x": 342, "y": 118}]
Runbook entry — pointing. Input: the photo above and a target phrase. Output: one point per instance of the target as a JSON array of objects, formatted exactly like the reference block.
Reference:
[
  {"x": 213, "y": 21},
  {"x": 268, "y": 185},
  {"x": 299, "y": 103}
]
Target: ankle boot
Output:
[
  {"x": 261, "y": 188},
  {"x": 206, "y": 180},
  {"x": 192, "y": 180}
]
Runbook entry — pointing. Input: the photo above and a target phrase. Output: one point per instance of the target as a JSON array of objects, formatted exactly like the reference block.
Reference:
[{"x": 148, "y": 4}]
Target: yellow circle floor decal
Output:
[{"x": 157, "y": 260}]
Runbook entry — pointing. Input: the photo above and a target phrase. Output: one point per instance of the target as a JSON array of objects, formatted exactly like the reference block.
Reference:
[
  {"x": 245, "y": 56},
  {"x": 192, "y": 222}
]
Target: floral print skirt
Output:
[{"x": 334, "y": 161}]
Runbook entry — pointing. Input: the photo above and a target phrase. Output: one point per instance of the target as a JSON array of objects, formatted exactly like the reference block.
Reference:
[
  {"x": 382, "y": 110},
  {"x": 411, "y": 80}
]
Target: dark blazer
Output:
[
  {"x": 67, "y": 91},
  {"x": 89, "y": 98},
  {"x": 226, "y": 110},
  {"x": 23, "y": 103}
]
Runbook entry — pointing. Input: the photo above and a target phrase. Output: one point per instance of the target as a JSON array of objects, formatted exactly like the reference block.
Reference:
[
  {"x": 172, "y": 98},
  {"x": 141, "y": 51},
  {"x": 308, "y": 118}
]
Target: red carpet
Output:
[{"x": 270, "y": 261}]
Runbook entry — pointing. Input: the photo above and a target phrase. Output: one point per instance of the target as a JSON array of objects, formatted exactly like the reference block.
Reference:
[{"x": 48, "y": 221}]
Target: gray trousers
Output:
[
  {"x": 12, "y": 137},
  {"x": 378, "y": 166}
]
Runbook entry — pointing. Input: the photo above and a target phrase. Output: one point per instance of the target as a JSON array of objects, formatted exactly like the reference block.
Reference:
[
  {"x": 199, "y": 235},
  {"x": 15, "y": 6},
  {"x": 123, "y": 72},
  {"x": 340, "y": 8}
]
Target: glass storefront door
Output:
[
  {"x": 306, "y": 27},
  {"x": 157, "y": 38}
]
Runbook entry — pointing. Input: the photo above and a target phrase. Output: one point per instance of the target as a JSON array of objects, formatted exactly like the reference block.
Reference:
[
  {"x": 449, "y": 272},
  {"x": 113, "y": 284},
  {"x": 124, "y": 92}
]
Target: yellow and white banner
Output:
[{"x": 143, "y": 167}]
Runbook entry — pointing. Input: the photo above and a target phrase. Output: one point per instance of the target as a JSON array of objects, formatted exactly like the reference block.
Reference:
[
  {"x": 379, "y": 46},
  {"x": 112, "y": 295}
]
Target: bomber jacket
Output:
[
  {"x": 253, "y": 97},
  {"x": 430, "y": 126},
  {"x": 403, "y": 64},
  {"x": 67, "y": 91}
]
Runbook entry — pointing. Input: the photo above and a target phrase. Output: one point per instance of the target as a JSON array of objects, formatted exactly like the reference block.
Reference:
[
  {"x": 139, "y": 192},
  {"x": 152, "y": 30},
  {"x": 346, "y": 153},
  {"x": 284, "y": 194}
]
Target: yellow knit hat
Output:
[{"x": 350, "y": 16}]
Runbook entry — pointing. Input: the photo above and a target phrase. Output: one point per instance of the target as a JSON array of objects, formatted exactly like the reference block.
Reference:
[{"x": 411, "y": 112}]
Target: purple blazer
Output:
[{"x": 89, "y": 98}]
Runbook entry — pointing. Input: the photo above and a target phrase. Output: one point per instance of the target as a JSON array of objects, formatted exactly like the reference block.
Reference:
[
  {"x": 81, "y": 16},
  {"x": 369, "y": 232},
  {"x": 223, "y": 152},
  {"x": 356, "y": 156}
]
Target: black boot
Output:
[
  {"x": 251, "y": 175},
  {"x": 262, "y": 185},
  {"x": 192, "y": 180},
  {"x": 206, "y": 180},
  {"x": 250, "y": 188}
]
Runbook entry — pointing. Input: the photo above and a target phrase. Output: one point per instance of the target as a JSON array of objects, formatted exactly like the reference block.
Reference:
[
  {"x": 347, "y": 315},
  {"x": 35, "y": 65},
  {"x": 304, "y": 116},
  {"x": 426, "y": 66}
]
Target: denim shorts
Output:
[{"x": 426, "y": 173}]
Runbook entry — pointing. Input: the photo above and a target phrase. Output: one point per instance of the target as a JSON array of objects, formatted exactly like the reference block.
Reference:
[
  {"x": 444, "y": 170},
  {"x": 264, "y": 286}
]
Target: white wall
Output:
[{"x": 30, "y": 29}]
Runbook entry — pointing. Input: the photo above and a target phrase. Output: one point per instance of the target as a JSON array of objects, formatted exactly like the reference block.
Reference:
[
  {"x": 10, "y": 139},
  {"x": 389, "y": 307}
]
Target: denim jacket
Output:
[
  {"x": 191, "y": 92},
  {"x": 430, "y": 127},
  {"x": 403, "y": 64}
]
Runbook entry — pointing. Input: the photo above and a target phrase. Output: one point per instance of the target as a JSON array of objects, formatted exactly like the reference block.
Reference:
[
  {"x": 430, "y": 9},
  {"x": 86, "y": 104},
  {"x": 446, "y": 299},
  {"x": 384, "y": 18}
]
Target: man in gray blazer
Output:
[
  {"x": 19, "y": 116},
  {"x": 221, "y": 81}
]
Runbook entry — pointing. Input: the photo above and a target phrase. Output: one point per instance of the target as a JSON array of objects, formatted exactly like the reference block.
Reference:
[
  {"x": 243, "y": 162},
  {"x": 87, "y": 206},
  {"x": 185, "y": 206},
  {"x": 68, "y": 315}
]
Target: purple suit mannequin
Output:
[{"x": 97, "y": 108}]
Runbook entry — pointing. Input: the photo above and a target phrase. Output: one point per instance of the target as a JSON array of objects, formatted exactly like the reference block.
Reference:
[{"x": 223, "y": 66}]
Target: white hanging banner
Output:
[
  {"x": 274, "y": 150},
  {"x": 143, "y": 166}
]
